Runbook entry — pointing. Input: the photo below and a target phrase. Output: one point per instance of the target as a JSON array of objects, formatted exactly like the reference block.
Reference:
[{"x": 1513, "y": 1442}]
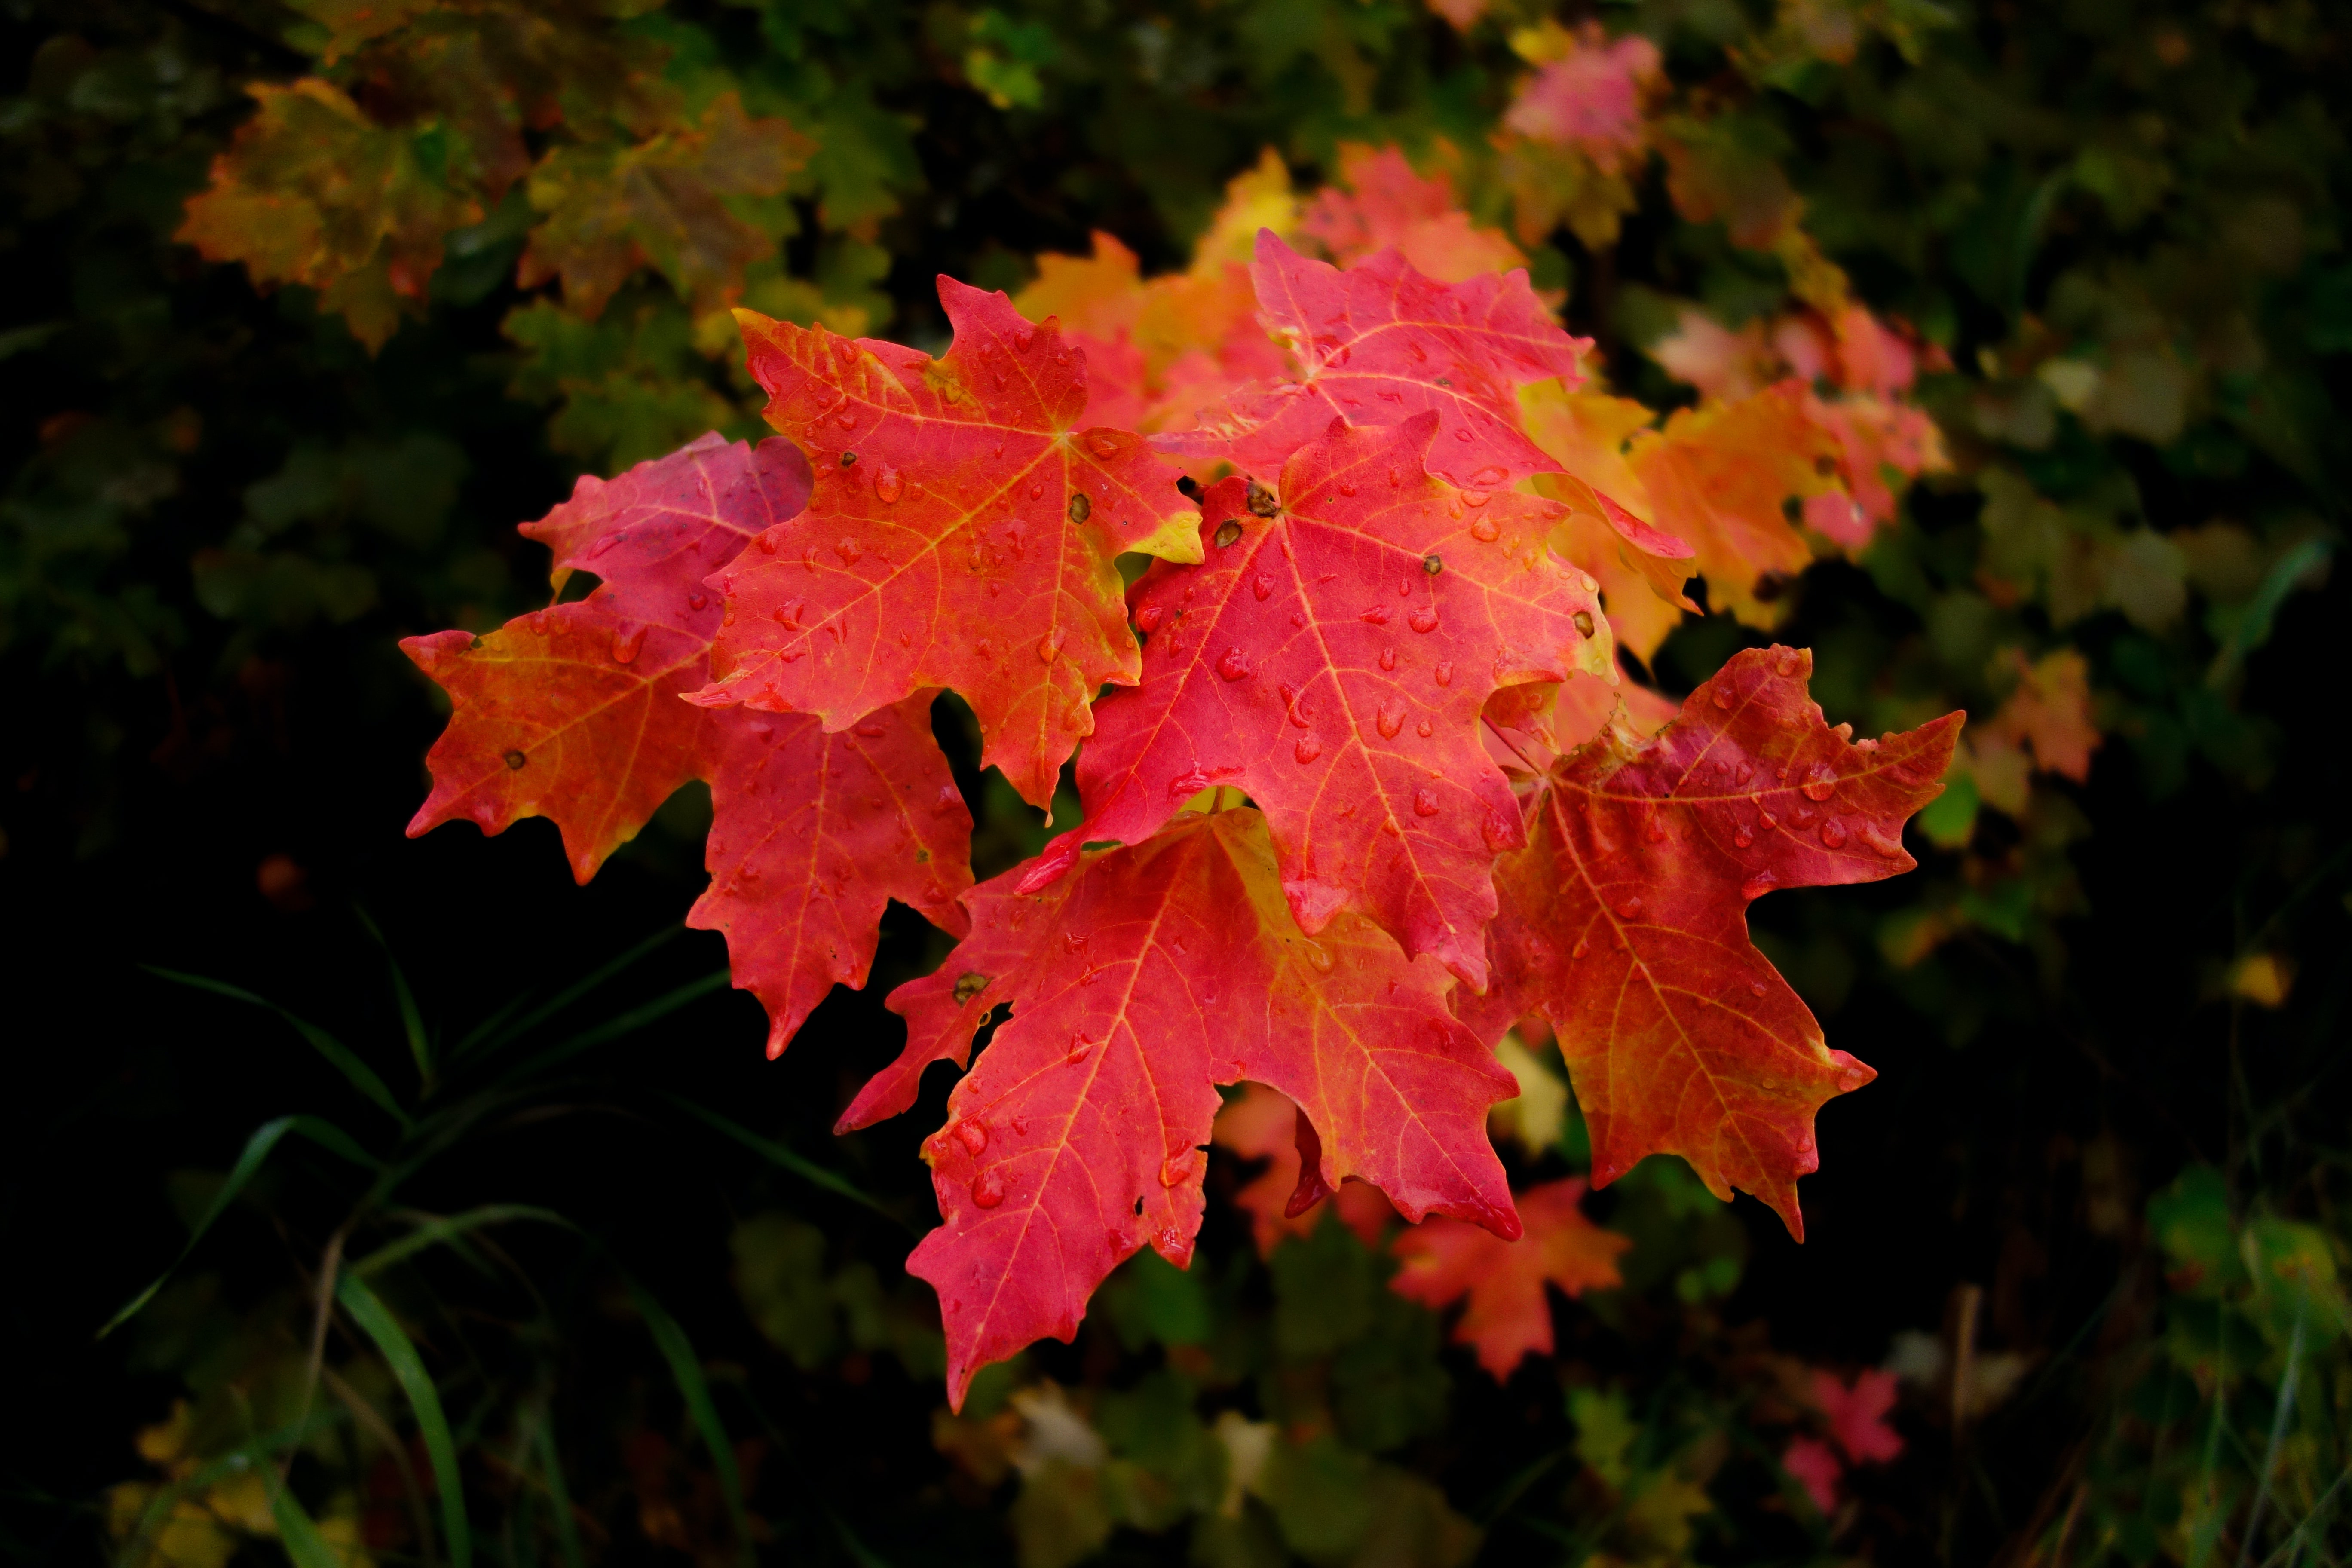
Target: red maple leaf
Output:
[
  {"x": 1509, "y": 1317},
  {"x": 1330, "y": 657},
  {"x": 1380, "y": 344},
  {"x": 1624, "y": 919},
  {"x": 1262, "y": 1123},
  {"x": 574, "y": 712},
  {"x": 1857, "y": 1414},
  {"x": 961, "y": 533},
  {"x": 1137, "y": 983}
]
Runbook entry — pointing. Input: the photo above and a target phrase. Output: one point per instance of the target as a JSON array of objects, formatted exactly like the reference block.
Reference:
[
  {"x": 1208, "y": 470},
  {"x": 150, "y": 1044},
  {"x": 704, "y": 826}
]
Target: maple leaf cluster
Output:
[{"x": 1364, "y": 626}]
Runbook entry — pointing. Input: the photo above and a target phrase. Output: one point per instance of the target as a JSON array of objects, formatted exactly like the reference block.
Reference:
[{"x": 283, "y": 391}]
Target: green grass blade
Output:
[
  {"x": 799, "y": 1164},
  {"x": 678, "y": 1350},
  {"x": 408, "y": 1369},
  {"x": 434, "y": 1233},
  {"x": 568, "y": 994},
  {"x": 296, "y": 1531},
  {"x": 558, "y": 1497},
  {"x": 345, "y": 1060},
  {"x": 412, "y": 1022},
  {"x": 335, "y": 1141},
  {"x": 635, "y": 1018},
  {"x": 256, "y": 1150},
  {"x": 488, "y": 1027}
]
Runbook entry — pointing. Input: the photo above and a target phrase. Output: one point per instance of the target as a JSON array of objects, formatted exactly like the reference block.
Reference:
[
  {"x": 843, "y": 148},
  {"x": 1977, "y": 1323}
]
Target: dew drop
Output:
[
  {"x": 1387, "y": 658},
  {"x": 1488, "y": 475},
  {"x": 1307, "y": 749},
  {"x": 626, "y": 641},
  {"x": 871, "y": 729},
  {"x": 1465, "y": 434},
  {"x": 1262, "y": 586},
  {"x": 1743, "y": 772},
  {"x": 1652, "y": 830},
  {"x": 1396, "y": 477},
  {"x": 1756, "y": 987},
  {"x": 1803, "y": 816},
  {"x": 1758, "y": 885},
  {"x": 1583, "y": 946},
  {"x": 1821, "y": 782},
  {"x": 1231, "y": 665},
  {"x": 1346, "y": 489},
  {"x": 1881, "y": 842},
  {"x": 1834, "y": 834},
  {"x": 987, "y": 1190},
  {"x": 1388, "y": 720},
  {"x": 1318, "y": 958},
  {"x": 1498, "y": 831},
  {"x": 1100, "y": 443},
  {"x": 1147, "y": 619},
  {"x": 1743, "y": 836},
  {"x": 1787, "y": 664},
  {"x": 1049, "y": 645},
  {"x": 1423, "y": 728},
  {"x": 1229, "y": 534},
  {"x": 1627, "y": 908},
  {"x": 1175, "y": 1169},
  {"x": 515, "y": 759},
  {"x": 1081, "y": 1048},
  {"x": 1724, "y": 695},
  {"x": 971, "y": 1135},
  {"x": 1422, "y": 619},
  {"x": 1378, "y": 615},
  {"x": 849, "y": 552},
  {"x": 767, "y": 544},
  {"x": 1443, "y": 673}
]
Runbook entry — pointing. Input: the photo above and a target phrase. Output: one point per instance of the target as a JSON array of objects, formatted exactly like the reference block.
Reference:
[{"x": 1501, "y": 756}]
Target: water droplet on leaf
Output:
[{"x": 987, "y": 1190}]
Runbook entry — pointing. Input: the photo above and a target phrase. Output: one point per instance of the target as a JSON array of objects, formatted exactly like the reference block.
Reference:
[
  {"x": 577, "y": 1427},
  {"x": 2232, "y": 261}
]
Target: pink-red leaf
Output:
[
  {"x": 1378, "y": 345},
  {"x": 1624, "y": 919},
  {"x": 1135, "y": 984},
  {"x": 576, "y": 713},
  {"x": 812, "y": 835},
  {"x": 961, "y": 534},
  {"x": 1330, "y": 658}
]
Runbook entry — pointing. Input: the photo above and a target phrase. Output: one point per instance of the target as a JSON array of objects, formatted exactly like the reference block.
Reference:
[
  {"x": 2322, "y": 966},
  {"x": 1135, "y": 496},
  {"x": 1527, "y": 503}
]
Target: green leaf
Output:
[
  {"x": 488, "y": 1035},
  {"x": 412, "y": 1022},
  {"x": 346, "y": 1062},
  {"x": 614, "y": 1028},
  {"x": 447, "y": 1228},
  {"x": 256, "y": 1150},
  {"x": 678, "y": 1350},
  {"x": 303, "y": 1543},
  {"x": 777, "y": 1154},
  {"x": 408, "y": 1368},
  {"x": 558, "y": 1497}
]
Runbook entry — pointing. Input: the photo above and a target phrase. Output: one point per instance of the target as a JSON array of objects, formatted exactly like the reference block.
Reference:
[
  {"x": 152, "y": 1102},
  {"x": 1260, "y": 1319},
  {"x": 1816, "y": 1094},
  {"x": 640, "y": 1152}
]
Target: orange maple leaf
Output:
[{"x": 1509, "y": 1317}]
